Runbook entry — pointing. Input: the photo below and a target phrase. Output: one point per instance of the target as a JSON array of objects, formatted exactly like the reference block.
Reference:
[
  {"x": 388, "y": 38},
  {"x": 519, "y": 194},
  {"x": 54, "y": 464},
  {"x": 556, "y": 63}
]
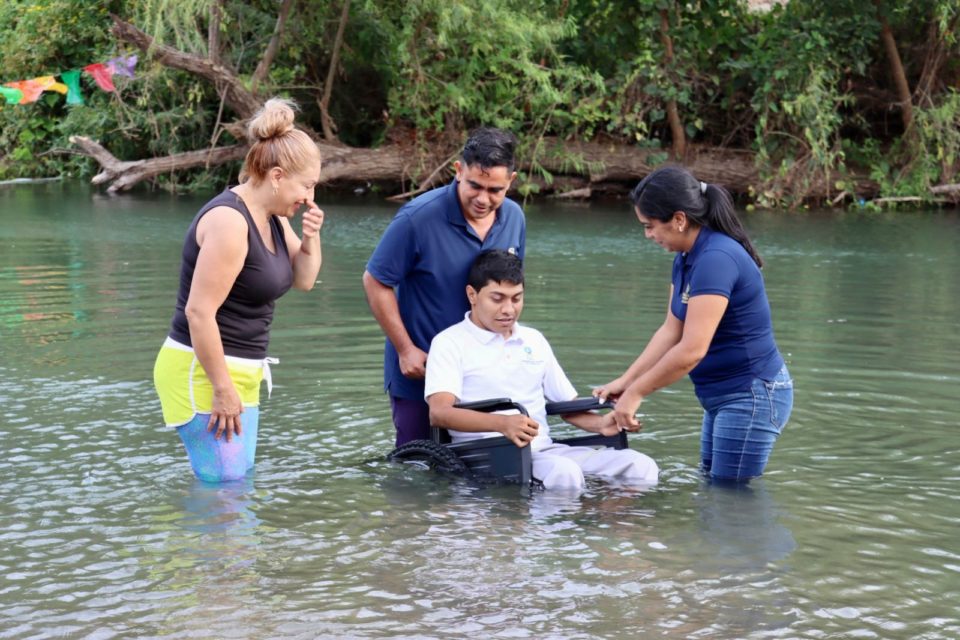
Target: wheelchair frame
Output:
[{"x": 498, "y": 459}]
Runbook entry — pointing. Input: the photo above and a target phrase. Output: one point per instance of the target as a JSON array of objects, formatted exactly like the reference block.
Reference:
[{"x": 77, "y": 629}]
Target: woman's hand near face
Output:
[
  {"x": 305, "y": 251},
  {"x": 312, "y": 223}
]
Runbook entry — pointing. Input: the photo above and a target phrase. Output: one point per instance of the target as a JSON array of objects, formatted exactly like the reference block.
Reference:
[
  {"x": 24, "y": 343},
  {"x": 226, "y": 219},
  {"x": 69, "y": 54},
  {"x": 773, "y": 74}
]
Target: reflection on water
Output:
[
  {"x": 207, "y": 560},
  {"x": 852, "y": 533},
  {"x": 743, "y": 526}
]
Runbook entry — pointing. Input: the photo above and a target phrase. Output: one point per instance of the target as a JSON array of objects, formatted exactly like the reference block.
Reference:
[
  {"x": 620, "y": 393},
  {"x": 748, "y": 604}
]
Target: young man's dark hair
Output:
[
  {"x": 495, "y": 265},
  {"x": 489, "y": 147}
]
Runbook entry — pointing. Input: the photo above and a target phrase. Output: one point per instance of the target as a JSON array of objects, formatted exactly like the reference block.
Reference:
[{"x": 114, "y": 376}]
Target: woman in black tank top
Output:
[{"x": 240, "y": 254}]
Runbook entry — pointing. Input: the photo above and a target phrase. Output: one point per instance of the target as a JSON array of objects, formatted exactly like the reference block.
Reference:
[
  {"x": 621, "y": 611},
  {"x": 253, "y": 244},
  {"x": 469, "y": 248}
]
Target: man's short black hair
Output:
[
  {"x": 495, "y": 265},
  {"x": 489, "y": 147}
]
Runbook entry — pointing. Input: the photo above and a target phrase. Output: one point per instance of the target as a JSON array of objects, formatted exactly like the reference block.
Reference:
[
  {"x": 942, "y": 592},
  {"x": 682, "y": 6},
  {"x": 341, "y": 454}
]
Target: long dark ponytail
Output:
[{"x": 670, "y": 189}]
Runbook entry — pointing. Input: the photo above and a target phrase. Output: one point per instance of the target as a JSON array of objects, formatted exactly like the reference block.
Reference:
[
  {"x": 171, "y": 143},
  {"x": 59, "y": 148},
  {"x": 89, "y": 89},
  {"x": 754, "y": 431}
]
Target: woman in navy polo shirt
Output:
[{"x": 718, "y": 327}]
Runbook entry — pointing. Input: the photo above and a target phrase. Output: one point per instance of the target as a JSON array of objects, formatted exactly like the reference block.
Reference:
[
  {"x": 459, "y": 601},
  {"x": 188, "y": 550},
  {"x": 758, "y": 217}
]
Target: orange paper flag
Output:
[{"x": 31, "y": 90}]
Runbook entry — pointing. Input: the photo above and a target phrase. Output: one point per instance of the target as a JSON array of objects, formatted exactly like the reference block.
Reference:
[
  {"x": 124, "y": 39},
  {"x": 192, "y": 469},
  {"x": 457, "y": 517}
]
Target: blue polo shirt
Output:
[
  {"x": 425, "y": 255},
  {"x": 743, "y": 348}
]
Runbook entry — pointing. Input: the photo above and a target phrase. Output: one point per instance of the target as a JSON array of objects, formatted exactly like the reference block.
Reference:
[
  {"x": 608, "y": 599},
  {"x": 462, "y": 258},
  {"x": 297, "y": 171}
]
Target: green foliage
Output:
[
  {"x": 44, "y": 38},
  {"x": 158, "y": 113},
  {"x": 806, "y": 86},
  {"x": 929, "y": 157},
  {"x": 172, "y": 22},
  {"x": 796, "y": 63},
  {"x": 811, "y": 155},
  {"x": 494, "y": 62}
]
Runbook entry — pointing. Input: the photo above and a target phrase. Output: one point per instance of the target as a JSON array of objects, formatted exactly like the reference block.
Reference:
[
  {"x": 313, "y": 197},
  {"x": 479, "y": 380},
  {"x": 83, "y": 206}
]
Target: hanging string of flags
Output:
[{"x": 27, "y": 91}]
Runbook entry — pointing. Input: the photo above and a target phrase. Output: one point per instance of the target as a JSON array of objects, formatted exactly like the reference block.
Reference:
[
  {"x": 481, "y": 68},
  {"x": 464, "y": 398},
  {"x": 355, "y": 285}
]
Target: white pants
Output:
[{"x": 562, "y": 467}]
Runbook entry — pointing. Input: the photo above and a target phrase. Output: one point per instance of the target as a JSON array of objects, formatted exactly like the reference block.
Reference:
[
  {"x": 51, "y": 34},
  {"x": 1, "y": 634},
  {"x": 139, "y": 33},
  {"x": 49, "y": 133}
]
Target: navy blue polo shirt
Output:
[
  {"x": 425, "y": 255},
  {"x": 743, "y": 348}
]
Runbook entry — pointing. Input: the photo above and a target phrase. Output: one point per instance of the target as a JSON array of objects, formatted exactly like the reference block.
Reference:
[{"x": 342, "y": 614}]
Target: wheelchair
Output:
[{"x": 497, "y": 460}]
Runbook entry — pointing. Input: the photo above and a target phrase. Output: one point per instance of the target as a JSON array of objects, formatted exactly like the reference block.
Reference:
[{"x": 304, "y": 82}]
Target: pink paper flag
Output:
[{"x": 102, "y": 75}]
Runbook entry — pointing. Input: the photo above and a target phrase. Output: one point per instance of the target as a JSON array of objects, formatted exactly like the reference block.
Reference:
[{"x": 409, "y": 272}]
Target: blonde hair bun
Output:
[{"x": 274, "y": 119}]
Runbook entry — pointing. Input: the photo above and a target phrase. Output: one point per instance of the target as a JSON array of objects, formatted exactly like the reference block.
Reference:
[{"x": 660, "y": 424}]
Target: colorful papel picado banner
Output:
[{"x": 27, "y": 91}]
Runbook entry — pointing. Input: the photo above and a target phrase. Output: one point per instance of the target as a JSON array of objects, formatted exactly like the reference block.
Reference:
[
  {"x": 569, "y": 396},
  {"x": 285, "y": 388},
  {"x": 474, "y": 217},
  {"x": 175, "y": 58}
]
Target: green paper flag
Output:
[
  {"x": 72, "y": 80},
  {"x": 12, "y": 96}
]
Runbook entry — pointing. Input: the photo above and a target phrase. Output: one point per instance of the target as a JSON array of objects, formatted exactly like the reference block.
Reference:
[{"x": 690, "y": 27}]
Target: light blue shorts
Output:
[{"x": 215, "y": 459}]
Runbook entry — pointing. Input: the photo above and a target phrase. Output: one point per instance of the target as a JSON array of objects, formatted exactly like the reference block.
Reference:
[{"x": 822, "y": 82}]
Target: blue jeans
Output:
[{"x": 739, "y": 429}]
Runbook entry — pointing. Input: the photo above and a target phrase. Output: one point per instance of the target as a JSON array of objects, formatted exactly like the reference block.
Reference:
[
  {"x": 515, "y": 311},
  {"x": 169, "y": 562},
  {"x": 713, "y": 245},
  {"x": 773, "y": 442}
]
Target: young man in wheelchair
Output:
[{"x": 490, "y": 355}]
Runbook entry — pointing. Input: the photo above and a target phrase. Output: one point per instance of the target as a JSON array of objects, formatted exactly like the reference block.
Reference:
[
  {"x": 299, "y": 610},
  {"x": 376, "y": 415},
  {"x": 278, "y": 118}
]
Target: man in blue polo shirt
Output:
[{"x": 415, "y": 278}]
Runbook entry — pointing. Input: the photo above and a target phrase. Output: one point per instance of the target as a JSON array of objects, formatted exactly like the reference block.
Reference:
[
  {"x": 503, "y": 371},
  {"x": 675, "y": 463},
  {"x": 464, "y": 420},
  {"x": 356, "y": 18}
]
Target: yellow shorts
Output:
[{"x": 185, "y": 390}]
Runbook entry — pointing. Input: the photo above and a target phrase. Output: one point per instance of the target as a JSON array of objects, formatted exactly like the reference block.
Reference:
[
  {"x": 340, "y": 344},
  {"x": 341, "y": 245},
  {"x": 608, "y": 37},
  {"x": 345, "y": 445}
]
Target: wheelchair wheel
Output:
[{"x": 429, "y": 455}]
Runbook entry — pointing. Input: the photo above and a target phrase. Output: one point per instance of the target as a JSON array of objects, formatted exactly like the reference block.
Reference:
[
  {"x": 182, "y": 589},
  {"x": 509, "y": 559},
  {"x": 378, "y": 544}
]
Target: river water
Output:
[{"x": 852, "y": 533}]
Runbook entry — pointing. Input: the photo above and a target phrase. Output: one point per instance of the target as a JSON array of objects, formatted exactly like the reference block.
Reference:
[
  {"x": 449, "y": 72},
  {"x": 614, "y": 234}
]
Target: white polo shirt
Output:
[{"x": 475, "y": 364}]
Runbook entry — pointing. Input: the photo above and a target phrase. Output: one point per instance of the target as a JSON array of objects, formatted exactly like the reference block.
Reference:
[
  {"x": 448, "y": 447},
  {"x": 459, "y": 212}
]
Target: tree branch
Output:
[
  {"x": 263, "y": 67},
  {"x": 236, "y": 96},
  {"x": 896, "y": 69},
  {"x": 124, "y": 174},
  {"x": 213, "y": 30},
  {"x": 673, "y": 114},
  {"x": 933, "y": 61},
  {"x": 427, "y": 183},
  {"x": 327, "y": 121},
  {"x": 949, "y": 189}
]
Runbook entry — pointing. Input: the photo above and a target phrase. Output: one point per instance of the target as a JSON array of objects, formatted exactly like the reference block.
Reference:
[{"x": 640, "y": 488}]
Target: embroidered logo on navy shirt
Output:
[{"x": 685, "y": 296}]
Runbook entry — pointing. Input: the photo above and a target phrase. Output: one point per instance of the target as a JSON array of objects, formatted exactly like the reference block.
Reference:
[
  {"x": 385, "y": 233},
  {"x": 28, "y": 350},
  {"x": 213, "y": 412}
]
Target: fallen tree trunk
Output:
[
  {"x": 343, "y": 165},
  {"x": 120, "y": 175},
  {"x": 392, "y": 164},
  {"x": 614, "y": 162},
  {"x": 601, "y": 167}
]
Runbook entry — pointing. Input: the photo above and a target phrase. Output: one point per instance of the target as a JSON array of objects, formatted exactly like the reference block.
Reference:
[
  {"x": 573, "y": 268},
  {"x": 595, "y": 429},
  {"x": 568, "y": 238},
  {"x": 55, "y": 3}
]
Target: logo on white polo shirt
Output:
[{"x": 529, "y": 358}]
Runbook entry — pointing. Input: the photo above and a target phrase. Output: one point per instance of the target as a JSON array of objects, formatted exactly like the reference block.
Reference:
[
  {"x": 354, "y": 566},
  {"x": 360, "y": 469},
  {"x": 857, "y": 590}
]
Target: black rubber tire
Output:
[{"x": 429, "y": 454}]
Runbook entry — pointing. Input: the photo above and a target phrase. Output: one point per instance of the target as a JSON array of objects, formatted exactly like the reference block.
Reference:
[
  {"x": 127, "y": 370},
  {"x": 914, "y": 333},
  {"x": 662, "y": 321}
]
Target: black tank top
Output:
[{"x": 245, "y": 316}]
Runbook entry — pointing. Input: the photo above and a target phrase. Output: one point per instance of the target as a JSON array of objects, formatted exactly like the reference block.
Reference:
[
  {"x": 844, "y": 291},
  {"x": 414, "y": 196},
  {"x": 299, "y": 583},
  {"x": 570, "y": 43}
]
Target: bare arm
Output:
[
  {"x": 664, "y": 339},
  {"x": 222, "y": 236},
  {"x": 305, "y": 252},
  {"x": 595, "y": 423},
  {"x": 704, "y": 313},
  {"x": 519, "y": 429},
  {"x": 383, "y": 304}
]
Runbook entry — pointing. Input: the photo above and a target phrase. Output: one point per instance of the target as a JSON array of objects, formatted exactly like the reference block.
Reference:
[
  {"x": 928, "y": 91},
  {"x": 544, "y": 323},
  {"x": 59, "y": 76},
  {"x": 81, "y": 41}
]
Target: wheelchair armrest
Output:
[
  {"x": 618, "y": 441},
  {"x": 442, "y": 436},
  {"x": 492, "y": 404},
  {"x": 492, "y": 458},
  {"x": 577, "y": 405}
]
